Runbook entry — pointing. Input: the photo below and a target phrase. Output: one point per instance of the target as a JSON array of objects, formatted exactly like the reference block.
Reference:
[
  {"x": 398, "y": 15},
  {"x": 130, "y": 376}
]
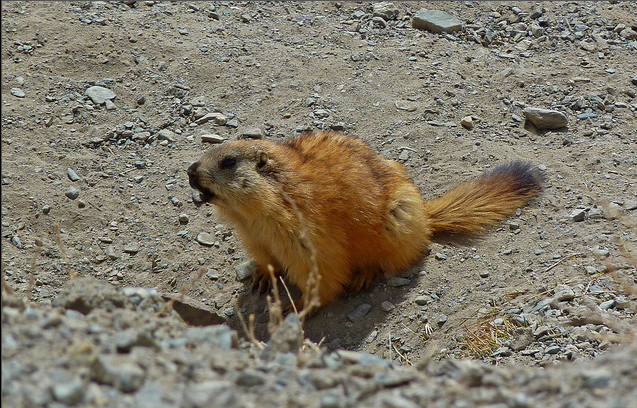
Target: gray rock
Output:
[
  {"x": 198, "y": 101},
  {"x": 99, "y": 95},
  {"x": 250, "y": 378},
  {"x": 607, "y": 304},
  {"x": 46, "y": 209},
  {"x": 360, "y": 312},
  {"x": 442, "y": 319},
  {"x": 397, "y": 281},
  {"x": 553, "y": 349},
  {"x": 586, "y": 115},
  {"x": 537, "y": 13},
  {"x": 69, "y": 392},
  {"x": 595, "y": 214},
  {"x": 386, "y": 10},
  {"x": 422, "y": 300},
  {"x": 629, "y": 34},
  {"x": 288, "y": 338},
  {"x": 166, "y": 134},
  {"x": 467, "y": 122},
  {"x": 118, "y": 371},
  {"x": 502, "y": 352},
  {"x": 131, "y": 248},
  {"x": 17, "y": 92},
  {"x": 72, "y": 193},
  {"x": 245, "y": 270},
  {"x": 522, "y": 338},
  {"x": 542, "y": 304},
  {"x": 440, "y": 256},
  {"x": 545, "y": 118},
  {"x": 210, "y": 394},
  {"x": 72, "y": 175},
  {"x": 254, "y": 133},
  {"x": 408, "y": 106},
  {"x": 602, "y": 253},
  {"x": 387, "y": 306},
  {"x": 217, "y": 117},
  {"x": 563, "y": 293},
  {"x": 630, "y": 205},
  {"x": 16, "y": 241},
  {"x": 596, "y": 378},
  {"x": 183, "y": 218},
  {"x": 321, "y": 113},
  {"x": 110, "y": 105},
  {"x": 206, "y": 239},
  {"x": 578, "y": 214},
  {"x": 212, "y": 138},
  {"x": 435, "y": 21},
  {"x": 219, "y": 336}
]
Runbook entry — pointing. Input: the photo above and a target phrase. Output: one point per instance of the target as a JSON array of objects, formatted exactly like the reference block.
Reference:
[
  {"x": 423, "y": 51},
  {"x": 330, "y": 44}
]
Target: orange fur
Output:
[{"x": 362, "y": 213}]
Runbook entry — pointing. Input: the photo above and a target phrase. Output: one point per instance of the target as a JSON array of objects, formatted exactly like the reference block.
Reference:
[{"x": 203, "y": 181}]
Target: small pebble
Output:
[
  {"x": 46, "y": 209},
  {"x": 131, "y": 248},
  {"x": 212, "y": 138},
  {"x": 467, "y": 122},
  {"x": 72, "y": 193},
  {"x": 387, "y": 306},
  {"x": 99, "y": 95},
  {"x": 552, "y": 350},
  {"x": 578, "y": 214},
  {"x": 205, "y": 239},
  {"x": 183, "y": 218},
  {"x": 72, "y": 175},
  {"x": 254, "y": 133},
  {"x": 250, "y": 378},
  {"x": 245, "y": 270},
  {"x": 422, "y": 300},
  {"x": 17, "y": 92}
]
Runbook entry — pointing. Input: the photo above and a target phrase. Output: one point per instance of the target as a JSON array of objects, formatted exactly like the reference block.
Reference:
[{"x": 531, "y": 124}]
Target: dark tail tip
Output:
[{"x": 527, "y": 178}]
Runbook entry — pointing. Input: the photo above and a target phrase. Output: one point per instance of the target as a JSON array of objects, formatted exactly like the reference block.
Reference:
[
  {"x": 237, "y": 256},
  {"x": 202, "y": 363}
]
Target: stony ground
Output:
[{"x": 105, "y": 104}]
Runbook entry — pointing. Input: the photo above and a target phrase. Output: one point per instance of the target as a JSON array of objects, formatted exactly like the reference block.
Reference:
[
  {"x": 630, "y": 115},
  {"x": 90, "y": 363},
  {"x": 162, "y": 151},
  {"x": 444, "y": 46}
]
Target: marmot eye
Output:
[{"x": 228, "y": 163}]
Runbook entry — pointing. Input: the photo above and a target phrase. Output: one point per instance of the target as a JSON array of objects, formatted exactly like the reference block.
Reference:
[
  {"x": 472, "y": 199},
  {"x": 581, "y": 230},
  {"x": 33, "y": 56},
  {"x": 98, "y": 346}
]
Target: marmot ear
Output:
[{"x": 262, "y": 158}]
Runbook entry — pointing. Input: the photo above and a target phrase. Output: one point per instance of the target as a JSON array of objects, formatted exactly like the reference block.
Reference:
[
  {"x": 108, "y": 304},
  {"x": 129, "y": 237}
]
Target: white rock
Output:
[{"x": 99, "y": 95}]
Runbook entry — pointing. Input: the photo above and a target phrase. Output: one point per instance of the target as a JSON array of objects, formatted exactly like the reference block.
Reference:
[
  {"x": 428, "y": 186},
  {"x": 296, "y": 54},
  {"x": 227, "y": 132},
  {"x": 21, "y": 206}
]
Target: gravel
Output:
[{"x": 542, "y": 278}]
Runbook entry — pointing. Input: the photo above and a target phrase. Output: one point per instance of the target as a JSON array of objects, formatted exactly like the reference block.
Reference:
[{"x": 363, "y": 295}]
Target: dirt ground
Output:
[{"x": 288, "y": 67}]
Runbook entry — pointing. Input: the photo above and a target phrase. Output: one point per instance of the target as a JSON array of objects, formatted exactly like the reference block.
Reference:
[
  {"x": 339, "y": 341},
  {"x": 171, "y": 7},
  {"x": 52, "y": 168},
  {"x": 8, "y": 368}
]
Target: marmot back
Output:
[{"x": 361, "y": 212}]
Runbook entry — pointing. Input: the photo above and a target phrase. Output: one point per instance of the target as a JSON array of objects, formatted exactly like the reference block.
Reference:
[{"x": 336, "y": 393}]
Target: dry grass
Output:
[
  {"x": 38, "y": 250},
  {"x": 58, "y": 239},
  {"x": 5, "y": 286},
  {"x": 482, "y": 337},
  {"x": 275, "y": 304}
]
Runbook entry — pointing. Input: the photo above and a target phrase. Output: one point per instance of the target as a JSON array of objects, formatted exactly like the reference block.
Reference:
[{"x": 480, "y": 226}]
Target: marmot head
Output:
[{"x": 232, "y": 174}]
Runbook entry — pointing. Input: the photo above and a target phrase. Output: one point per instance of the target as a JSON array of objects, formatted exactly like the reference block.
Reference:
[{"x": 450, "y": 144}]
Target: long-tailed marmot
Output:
[{"x": 359, "y": 211}]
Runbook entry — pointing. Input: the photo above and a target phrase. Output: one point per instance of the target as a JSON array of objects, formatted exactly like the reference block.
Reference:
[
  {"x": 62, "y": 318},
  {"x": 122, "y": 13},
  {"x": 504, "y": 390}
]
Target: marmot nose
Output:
[{"x": 192, "y": 173}]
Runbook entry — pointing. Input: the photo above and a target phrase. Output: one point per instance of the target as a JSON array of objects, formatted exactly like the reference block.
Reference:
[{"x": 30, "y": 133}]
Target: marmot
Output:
[{"x": 361, "y": 212}]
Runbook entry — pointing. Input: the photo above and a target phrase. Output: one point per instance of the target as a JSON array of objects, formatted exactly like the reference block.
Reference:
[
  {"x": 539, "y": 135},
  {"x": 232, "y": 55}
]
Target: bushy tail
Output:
[{"x": 475, "y": 206}]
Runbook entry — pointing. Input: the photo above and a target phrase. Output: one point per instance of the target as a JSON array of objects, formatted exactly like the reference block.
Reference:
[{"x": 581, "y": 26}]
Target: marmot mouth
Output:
[{"x": 205, "y": 194}]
